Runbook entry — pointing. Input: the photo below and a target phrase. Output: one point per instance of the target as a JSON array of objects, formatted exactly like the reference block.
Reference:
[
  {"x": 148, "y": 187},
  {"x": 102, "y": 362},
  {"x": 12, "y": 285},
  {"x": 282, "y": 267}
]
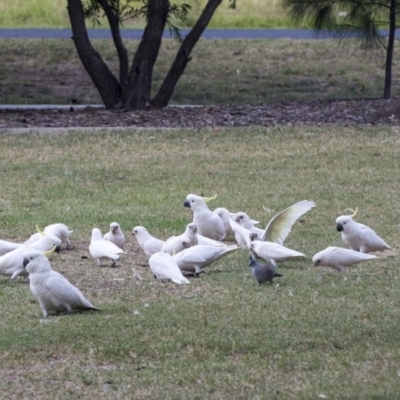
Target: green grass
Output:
[
  {"x": 221, "y": 72},
  {"x": 53, "y": 14},
  {"x": 315, "y": 333}
]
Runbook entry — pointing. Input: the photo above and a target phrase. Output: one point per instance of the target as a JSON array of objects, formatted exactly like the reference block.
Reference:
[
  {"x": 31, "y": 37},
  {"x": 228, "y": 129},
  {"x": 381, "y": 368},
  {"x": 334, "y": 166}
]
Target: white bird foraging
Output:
[
  {"x": 196, "y": 258},
  {"x": 101, "y": 249},
  {"x": 280, "y": 225},
  {"x": 339, "y": 258},
  {"x": 59, "y": 230},
  {"x": 163, "y": 266},
  {"x": 149, "y": 244},
  {"x": 11, "y": 263},
  {"x": 195, "y": 238},
  {"x": 359, "y": 237},
  {"x": 51, "y": 289},
  {"x": 271, "y": 251},
  {"x": 115, "y": 235},
  {"x": 208, "y": 223}
]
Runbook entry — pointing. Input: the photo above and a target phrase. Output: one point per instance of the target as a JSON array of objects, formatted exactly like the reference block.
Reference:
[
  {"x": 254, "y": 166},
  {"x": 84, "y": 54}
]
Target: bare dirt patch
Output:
[{"x": 345, "y": 112}]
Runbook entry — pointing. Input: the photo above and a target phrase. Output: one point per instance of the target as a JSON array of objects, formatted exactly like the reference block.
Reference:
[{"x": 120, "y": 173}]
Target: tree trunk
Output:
[
  {"x": 104, "y": 80},
  {"x": 183, "y": 56},
  {"x": 138, "y": 89},
  {"x": 113, "y": 20},
  {"x": 389, "y": 50}
]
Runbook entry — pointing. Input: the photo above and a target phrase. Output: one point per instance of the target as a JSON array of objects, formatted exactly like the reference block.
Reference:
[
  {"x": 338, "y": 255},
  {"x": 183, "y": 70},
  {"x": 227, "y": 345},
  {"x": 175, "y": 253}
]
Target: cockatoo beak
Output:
[{"x": 207, "y": 199}]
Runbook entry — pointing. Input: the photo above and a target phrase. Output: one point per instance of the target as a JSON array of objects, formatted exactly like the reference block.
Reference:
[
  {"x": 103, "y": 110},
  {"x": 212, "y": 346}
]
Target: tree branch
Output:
[{"x": 183, "y": 56}]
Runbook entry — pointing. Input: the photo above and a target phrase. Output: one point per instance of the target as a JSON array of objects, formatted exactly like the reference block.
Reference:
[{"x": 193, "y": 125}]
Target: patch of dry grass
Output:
[{"x": 221, "y": 72}]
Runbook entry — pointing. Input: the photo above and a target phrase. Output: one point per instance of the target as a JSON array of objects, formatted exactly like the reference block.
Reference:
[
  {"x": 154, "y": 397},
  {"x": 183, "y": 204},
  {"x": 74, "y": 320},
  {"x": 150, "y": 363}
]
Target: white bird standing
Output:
[
  {"x": 196, "y": 258},
  {"x": 175, "y": 244},
  {"x": 11, "y": 263},
  {"x": 242, "y": 235},
  {"x": 163, "y": 266},
  {"x": 101, "y": 249},
  {"x": 149, "y": 244},
  {"x": 195, "y": 238},
  {"x": 339, "y": 258},
  {"x": 51, "y": 289},
  {"x": 115, "y": 235},
  {"x": 280, "y": 225},
  {"x": 225, "y": 215},
  {"x": 359, "y": 237},
  {"x": 271, "y": 251},
  {"x": 208, "y": 223}
]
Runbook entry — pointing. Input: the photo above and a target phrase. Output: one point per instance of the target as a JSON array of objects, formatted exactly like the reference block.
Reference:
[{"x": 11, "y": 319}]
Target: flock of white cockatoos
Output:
[{"x": 199, "y": 246}]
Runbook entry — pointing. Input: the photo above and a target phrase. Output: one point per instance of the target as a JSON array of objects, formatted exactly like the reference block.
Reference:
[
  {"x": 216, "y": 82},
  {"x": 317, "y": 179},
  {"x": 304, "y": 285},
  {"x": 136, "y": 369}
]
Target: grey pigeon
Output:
[{"x": 263, "y": 272}]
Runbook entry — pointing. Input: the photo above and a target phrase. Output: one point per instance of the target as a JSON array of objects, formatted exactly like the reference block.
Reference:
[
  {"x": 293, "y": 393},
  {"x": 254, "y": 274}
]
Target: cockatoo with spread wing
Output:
[
  {"x": 148, "y": 243},
  {"x": 115, "y": 235},
  {"x": 101, "y": 249},
  {"x": 163, "y": 266},
  {"x": 208, "y": 223},
  {"x": 52, "y": 290},
  {"x": 339, "y": 258},
  {"x": 271, "y": 251},
  {"x": 196, "y": 258},
  {"x": 279, "y": 226},
  {"x": 359, "y": 237}
]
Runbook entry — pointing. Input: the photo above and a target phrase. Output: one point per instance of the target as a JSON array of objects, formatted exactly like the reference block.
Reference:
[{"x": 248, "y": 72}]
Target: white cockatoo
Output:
[
  {"x": 226, "y": 215},
  {"x": 271, "y": 251},
  {"x": 115, "y": 235},
  {"x": 163, "y": 266},
  {"x": 11, "y": 263},
  {"x": 101, "y": 249},
  {"x": 339, "y": 258},
  {"x": 175, "y": 244},
  {"x": 195, "y": 238},
  {"x": 359, "y": 237},
  {"x": 209, "y": 224},
  {"x": 149, "y": 244},
  {"x": 191, "y": 233},
  {"x": 59, "y": 230},
  {"x": 51, "y": 289},
  {"x": 280, "y": 225},
  {"x": 242, "y": 235},
  {"x": 6, "y": 246},
  {"x": 195, "y": 258}
]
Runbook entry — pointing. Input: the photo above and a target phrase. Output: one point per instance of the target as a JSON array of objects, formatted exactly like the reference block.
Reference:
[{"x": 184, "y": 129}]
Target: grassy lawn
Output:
[
  {"x": 221, "y": 72},
  {"x": 314, "y": 334},
  {"x": 53, "y": 14}
]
